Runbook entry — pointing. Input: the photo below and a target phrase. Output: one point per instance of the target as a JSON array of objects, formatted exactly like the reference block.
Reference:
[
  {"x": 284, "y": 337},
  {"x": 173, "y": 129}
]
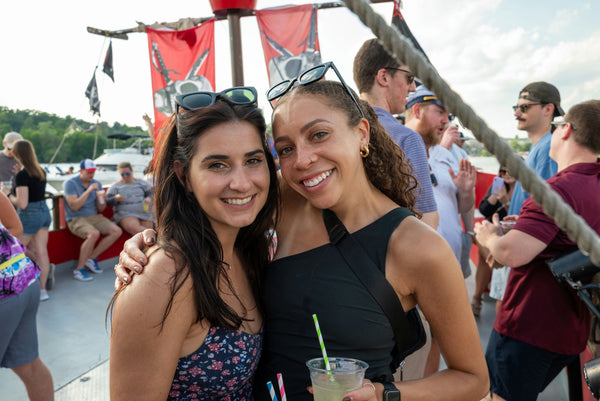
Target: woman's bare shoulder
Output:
[{"x": 416, "y": 247}]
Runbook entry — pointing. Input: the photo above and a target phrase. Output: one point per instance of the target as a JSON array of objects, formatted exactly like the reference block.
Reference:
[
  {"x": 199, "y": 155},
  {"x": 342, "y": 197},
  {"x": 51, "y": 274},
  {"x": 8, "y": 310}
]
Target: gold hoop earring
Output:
[{"x": 364, "y": 152}]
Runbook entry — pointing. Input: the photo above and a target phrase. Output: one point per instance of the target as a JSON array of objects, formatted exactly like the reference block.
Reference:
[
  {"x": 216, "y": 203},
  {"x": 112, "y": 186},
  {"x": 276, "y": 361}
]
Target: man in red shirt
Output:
[{"x": 542, "y": 326}]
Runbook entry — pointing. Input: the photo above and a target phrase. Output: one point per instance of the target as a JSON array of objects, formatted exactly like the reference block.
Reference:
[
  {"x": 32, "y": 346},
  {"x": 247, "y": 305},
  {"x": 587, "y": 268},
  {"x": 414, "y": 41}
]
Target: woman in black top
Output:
[
  {"x": 29, "y": 196},
  {"x": 497, "y": 202},
  {"x": 335, "y": 155}
]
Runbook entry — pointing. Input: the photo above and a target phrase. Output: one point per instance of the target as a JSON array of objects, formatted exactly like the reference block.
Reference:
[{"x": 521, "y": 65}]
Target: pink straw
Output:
[{"x": 281, "y": 388}]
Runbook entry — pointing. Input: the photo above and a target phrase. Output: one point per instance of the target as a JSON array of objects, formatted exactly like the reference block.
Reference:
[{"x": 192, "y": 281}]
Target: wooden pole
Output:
[{"x": 235, "y": 46}]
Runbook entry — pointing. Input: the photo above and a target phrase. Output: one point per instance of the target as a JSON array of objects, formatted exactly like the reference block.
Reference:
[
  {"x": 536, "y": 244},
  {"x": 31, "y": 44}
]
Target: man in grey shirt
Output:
[{"x": 9, "y": 166}]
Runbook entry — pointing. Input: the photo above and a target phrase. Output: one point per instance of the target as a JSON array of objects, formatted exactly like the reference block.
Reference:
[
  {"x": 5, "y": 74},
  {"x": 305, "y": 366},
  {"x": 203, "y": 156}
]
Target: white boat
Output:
[{"x": 139, "y": 154}]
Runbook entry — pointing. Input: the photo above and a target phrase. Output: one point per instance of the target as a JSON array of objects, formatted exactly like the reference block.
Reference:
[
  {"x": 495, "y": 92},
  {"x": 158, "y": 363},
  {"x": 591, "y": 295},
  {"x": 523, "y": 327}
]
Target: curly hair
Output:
[{"x": 386, "y": 166}]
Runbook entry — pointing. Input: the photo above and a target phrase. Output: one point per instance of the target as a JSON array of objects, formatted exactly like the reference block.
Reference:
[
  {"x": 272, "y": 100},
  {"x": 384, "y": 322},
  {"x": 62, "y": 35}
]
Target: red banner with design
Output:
[
  {"x": 180, "y": 62},
  {"x": 290, "y": 40}
]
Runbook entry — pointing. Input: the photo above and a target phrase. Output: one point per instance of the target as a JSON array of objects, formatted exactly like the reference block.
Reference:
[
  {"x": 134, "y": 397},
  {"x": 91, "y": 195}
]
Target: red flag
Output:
[
  {"x": 181, "y": 62},
  {"x": 290, "y": 40}
]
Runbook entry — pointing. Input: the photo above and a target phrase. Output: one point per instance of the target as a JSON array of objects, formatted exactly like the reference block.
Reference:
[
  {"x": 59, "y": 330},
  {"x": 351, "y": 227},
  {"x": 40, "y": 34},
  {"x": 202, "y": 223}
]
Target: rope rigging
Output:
[{"x": 553, "y": 205}]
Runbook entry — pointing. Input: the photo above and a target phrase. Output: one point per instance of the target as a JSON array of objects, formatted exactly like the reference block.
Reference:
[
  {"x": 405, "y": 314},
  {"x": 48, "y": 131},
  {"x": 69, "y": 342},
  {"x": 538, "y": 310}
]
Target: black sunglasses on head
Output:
[
  {"x": 307, "y": 77},
  {"x": 197, "y": 100}
]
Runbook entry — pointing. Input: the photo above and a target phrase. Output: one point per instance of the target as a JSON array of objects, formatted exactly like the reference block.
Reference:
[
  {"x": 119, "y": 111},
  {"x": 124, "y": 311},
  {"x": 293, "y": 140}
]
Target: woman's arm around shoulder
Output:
[
  {"x": 423, "y": 269},
  {"x": 143, "y": 352}
]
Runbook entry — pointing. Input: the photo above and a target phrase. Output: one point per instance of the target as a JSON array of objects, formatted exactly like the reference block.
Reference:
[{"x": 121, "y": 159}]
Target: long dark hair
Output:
[
  {"x": 386, "y": 166},
  {"x": 184, "y": 230}
]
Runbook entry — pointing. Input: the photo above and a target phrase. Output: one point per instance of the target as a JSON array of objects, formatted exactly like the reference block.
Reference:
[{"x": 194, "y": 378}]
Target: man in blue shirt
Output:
[
  {"x": 385, "y": 84},
  {"x": 538, "y": 104},
  {"x": 85, "y": 199}
]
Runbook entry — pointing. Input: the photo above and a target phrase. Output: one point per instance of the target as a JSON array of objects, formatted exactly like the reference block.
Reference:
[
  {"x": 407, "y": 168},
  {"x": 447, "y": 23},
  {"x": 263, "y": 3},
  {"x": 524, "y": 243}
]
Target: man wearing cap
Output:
[
  {"x": 538, "y": 104},
  {"x": 542, "y": 326},
  {"x": 385, "y": 84},
  {"x": 85, "y": 199},
  {"x": 453, "y": 182},
  {"x": 9, "y": 166}
]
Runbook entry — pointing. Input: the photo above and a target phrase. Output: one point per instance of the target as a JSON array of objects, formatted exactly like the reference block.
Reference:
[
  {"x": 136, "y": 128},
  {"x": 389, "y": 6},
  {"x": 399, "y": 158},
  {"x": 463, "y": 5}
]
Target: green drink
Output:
[{"x": 346, "y": 375}]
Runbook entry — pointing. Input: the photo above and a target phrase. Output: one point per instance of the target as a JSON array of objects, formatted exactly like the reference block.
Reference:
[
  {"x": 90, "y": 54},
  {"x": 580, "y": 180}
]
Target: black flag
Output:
[
  {"x": 108, "y": 64},
  {"x": 92, "y": 93},
  {"x": 400, "y": 23}
]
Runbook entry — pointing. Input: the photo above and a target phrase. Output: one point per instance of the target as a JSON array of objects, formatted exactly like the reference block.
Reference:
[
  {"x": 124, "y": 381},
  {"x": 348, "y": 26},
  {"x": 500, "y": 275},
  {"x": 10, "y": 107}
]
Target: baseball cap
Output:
[
  {"x": 10, "y": 139},
  {"x": 543, "y": 92},
  {"x": 422, "y": 94},
  {"x": 87, "y": 165}
]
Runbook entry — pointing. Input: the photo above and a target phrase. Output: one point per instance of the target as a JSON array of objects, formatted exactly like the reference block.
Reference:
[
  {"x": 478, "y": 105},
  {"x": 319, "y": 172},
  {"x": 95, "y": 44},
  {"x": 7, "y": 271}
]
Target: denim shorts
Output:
[{"x": 35, "y": 217}]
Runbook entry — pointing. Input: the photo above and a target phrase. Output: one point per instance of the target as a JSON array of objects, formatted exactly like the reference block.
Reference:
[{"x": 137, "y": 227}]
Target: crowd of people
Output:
[
  {"x": 242, "y": 257},
  {"x": 26, "y": 273}
]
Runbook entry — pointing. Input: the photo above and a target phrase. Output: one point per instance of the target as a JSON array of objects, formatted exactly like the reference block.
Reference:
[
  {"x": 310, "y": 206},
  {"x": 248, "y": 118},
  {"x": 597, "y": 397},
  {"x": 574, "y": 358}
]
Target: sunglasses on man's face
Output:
[
  {"x": 127, "y": 174},
  {"x": 524, "y": 107},
  {"x": 410, "y": 77},
  {"x": 198, "y": 100},
  {"x": 307, "y": 77}
]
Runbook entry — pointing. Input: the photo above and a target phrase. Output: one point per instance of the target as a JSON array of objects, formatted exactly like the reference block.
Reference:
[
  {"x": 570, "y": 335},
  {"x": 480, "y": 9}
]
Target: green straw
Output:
[{"x": 322, "y": 344}]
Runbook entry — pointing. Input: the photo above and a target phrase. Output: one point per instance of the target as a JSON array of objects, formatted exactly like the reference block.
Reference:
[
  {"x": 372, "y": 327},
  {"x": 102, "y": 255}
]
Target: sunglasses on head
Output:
[
  {"x": 307, "y": 77},
  {"x": 524, "y": 107},
  {"x": 127, "y": 174},
  {"x": 198, "y": 100},
  {"x": 410, "y": 77}
]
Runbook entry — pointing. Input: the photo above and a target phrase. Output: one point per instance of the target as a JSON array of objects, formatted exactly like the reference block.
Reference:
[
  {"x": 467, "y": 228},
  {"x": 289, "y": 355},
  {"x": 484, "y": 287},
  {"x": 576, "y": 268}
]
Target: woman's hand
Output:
[
  {"x": 132, "y": 258},
  {"x": 368, "y": 392}
]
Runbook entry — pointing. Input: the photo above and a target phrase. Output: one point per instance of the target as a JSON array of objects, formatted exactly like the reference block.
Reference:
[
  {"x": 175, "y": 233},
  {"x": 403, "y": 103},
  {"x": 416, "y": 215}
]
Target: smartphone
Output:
[{"x": 497, "y": 184}]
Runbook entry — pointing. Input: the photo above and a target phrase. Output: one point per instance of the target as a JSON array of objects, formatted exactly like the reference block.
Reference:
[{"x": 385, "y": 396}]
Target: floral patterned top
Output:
[
  {"x": 17, "y": 271},
  {"x": 221, "y": 369}
]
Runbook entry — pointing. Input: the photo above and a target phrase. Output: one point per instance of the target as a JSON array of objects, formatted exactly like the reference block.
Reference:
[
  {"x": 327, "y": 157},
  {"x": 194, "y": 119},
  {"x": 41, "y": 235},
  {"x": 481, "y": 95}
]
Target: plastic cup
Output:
[
  {"x": 346, "y": 375},
  {"x": 507, "y": 225},
  {"x": 5, "y": 186},
  {"x": 100, "y": 195}
]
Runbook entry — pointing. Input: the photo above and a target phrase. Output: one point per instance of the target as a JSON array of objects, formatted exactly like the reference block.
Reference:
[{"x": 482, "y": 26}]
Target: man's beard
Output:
[{"x": 431, "y": 138}]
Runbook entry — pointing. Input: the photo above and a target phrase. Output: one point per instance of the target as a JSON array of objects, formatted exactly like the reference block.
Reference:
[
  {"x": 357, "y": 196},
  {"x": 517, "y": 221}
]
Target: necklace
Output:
[{"x": 227, "y": 264}]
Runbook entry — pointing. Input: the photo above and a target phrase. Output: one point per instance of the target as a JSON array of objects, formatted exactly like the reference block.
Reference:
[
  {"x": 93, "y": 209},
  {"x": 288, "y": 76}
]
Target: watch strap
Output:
[{"x": 390, "y": 392}]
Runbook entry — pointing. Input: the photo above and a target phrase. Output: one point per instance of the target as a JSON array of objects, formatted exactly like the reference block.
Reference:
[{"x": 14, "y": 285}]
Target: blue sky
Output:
[{"x": 486, "y": 50}]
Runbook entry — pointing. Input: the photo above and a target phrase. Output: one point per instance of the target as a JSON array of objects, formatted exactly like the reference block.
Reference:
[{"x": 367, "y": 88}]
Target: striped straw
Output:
[
  {"x": 272, "y": 391},
  {"x": 322, "y": 344},
  {"x": 281, "y": 388}
]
